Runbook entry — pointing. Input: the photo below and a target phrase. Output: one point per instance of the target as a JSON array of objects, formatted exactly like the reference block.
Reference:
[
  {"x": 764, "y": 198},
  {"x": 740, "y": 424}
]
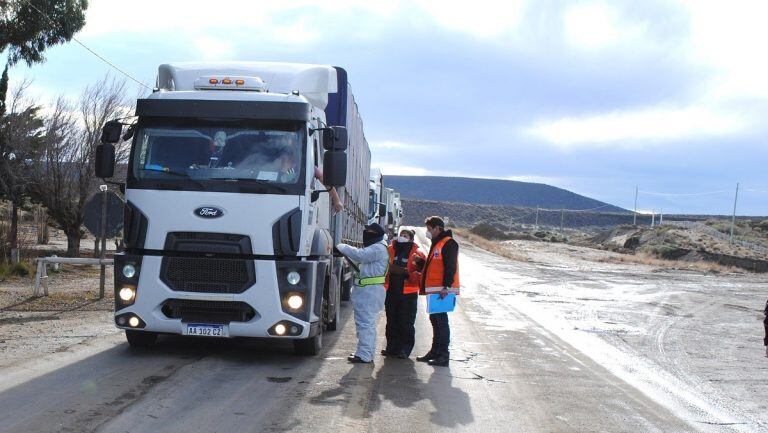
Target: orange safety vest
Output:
[
  {"x": 411, "y": 284},
  {"x": 434, "y": 270}
]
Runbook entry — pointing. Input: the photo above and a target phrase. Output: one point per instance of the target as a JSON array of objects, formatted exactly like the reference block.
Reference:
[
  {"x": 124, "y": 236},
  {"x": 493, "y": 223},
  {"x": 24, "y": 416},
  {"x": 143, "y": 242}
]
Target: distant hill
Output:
[{"x": 492, "y": 192}]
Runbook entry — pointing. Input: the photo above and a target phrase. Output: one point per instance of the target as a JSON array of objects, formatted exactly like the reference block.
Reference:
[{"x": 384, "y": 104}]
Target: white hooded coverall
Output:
[{"x": 367, "y": 298}]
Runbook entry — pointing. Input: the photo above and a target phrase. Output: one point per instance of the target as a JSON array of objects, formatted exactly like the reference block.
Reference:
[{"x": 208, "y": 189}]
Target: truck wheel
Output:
[
  {"x": 334, "y": 324},
  {"x": 308, "y": 346},
  {"x": 346, "y": 290},
  {"x": 140, "y": 338}
]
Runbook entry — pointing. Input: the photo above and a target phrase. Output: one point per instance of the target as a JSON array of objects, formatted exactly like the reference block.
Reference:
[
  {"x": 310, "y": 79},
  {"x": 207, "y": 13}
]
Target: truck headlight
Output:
[
  {"x": 127, "y": 293},
  {"x": 295, "y": 301},
  {"x": 129, "y": 271},
  {"x": 293, "y": 278},
  {"x": 280, "y": 329}
]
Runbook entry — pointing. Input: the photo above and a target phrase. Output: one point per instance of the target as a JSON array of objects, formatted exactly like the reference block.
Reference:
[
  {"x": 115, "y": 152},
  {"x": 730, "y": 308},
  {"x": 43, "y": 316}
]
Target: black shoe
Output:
[
  {"x": 402, "y": 356},
  {"x": 385, "y": 352},
  {"x": 357, "y": 360},
  {"x": 438, "y": 362},
  {"x": 426, "y": 358}
]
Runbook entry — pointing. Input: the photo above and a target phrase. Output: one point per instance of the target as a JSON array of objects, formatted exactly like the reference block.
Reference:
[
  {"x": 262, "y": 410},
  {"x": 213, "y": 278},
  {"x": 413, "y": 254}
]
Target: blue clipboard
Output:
[{"x": 437, "y": 305}]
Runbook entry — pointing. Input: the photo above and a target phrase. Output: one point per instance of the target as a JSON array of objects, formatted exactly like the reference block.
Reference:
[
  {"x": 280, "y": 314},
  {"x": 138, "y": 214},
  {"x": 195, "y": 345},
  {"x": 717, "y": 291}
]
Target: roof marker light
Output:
[{"x": 231, "y": 83}]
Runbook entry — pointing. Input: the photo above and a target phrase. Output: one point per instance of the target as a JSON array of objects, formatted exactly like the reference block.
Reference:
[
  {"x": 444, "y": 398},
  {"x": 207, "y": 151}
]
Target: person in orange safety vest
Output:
[
  {"x": 402, "y": 286},
  {"x": 441, "y": 276}
]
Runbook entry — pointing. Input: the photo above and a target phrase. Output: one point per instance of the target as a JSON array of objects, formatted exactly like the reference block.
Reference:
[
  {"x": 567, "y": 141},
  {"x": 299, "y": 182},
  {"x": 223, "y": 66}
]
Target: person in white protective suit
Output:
[{"x": 368, "y": 294}]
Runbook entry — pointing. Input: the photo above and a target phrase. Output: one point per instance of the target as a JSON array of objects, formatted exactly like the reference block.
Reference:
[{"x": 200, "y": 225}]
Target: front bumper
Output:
[{"x": 263, "y": 298}]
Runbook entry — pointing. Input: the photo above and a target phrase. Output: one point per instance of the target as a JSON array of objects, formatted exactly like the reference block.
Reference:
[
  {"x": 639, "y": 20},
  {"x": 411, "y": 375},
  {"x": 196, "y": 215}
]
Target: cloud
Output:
[
  {"x": 639, "y": 127},
  {"x": 481, "y": 18},
  {"x": 211, "y": 48},
  {"x": 730, "y": 37},
  {"x": 591, "y": 25},
  {"x": 402, "y": 170}
]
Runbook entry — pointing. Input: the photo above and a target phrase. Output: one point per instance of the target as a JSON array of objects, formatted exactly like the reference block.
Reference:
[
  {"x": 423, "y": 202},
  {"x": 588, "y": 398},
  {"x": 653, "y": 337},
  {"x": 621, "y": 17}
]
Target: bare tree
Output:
[
  {"x": 66, "y": 174},
  {"x": 21, "y": 130}
]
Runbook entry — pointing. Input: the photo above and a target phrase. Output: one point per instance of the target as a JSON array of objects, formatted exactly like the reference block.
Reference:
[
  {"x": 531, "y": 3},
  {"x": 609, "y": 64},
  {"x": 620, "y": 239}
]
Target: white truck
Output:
[
  {"x": 228, "y": 230},
  {"x": 385, "y": 207}
]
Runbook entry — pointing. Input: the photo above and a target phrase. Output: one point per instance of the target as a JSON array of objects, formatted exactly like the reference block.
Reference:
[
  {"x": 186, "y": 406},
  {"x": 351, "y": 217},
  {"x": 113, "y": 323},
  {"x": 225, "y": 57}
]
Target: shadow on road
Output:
[
  {"x": 452, "y": 405},
  {"x": 88, "y": 392}
]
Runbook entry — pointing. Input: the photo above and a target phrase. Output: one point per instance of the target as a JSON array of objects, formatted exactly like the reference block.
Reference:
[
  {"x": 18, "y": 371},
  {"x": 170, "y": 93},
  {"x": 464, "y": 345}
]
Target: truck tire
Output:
[
  {"x": 346, "y": 290},
  {"x": 140, "y": 338},
  {"x": 308, "y": 346},
  {"x": 334, "y": 324}
]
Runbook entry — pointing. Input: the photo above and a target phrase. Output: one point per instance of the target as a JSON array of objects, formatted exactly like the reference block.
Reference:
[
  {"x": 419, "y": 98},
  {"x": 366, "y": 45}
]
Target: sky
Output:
[{"x": 597, "y": 97}]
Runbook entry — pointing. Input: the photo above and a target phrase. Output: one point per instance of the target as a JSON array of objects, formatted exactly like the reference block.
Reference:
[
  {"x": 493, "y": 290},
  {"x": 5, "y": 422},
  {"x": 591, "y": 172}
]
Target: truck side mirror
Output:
[
  {"x": 105, "y": 161},
  {"x": 335, "y": 138},
  {"x": 111, "y": 132},
  {"x": 334, "y": 168}
]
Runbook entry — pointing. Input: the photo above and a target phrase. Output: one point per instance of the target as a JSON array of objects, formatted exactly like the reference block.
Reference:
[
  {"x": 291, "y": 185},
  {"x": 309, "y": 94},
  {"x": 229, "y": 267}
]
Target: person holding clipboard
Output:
[{"x": 441, "y": 278}]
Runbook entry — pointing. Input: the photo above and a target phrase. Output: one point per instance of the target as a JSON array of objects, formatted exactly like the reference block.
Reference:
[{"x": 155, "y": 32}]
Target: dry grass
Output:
[
  {"x": 490, "y": 246},
  {"x": 643, "y": 259}
]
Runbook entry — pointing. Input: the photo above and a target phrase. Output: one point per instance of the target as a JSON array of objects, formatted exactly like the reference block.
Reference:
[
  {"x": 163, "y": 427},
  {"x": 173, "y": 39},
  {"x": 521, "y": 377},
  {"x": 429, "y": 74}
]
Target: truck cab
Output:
[{"x": 228, "y": 225}]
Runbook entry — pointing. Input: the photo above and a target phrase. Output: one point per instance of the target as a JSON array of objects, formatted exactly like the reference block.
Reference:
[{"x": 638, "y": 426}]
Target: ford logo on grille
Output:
[{"x": 209, "y": 212}]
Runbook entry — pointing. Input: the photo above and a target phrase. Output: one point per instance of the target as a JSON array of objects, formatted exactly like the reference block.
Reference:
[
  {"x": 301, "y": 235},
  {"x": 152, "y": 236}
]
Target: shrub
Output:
[
  {"x": 21, "y": 269},
  {"x": 5, "y": 271},
  {"x": 488, "y": 231}
]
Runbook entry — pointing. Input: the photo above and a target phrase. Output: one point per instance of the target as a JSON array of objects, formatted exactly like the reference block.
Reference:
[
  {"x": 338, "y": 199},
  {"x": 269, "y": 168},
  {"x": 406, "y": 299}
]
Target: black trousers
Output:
[
  {"x": 401, "y": 316},
  {"x": 441, "y": 335}
]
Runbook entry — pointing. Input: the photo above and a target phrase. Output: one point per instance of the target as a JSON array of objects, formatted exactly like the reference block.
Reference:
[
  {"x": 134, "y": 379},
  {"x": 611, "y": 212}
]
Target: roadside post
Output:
[
  {"x": 103, "y": 235},
  {"x": 103, "y": 218}
]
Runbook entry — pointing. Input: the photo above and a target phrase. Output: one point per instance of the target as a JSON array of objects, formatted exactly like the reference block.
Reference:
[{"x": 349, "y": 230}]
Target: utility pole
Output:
[
  {"x": 733, "y": 218},
  {"x": 537, "y": 218},
  {"x": 562, "y": 218},
  {"x": 653, "y": 218},
  {"x": 634, "y": 217}
]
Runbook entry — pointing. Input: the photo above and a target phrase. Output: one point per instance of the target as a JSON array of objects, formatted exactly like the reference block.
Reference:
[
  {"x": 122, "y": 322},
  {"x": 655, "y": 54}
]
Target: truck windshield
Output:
[{"x": 264, "y": 152}]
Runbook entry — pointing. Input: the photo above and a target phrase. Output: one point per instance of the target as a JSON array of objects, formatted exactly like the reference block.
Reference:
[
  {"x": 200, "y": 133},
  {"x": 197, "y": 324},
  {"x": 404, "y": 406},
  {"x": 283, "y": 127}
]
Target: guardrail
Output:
[
  {"x": 41, "y": 275},
  {"x": 701, "y": 227}
]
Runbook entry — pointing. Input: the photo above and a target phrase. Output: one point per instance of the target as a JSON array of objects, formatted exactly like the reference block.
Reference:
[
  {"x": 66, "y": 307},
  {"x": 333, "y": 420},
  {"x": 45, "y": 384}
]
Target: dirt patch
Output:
[
  {"x": 32, "y": 327},
  {"x": 490, "y": 246}
]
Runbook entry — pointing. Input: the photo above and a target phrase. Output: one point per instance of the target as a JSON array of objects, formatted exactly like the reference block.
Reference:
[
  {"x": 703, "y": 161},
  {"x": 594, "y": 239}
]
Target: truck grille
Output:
[
  {"x": 207, "y": 275},
  {"x": 208, "y": 311}
]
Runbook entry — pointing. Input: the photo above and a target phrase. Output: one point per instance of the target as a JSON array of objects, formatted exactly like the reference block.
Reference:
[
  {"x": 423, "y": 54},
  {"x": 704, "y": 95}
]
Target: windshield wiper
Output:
[
  {"x": 176, "y": 173},
  {"x": 252, "y": 180}
]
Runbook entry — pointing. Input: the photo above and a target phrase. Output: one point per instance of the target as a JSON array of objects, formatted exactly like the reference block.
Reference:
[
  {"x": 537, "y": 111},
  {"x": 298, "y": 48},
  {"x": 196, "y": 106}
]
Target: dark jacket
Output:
[{"x": 450, "y": 256}]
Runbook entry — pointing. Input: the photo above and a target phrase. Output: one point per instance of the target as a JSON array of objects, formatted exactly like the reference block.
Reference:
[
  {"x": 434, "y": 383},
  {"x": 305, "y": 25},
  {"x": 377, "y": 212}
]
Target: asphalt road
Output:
[{"x": 513, "y": 378}]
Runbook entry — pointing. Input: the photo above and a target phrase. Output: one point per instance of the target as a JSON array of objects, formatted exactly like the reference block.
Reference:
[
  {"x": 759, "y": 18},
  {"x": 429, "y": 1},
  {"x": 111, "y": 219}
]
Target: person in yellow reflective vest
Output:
[{"x": 368, "y": 293}]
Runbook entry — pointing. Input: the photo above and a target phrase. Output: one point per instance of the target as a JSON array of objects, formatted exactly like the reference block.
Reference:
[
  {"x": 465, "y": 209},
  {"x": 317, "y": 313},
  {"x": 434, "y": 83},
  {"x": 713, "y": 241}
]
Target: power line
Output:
[
  {"x": 671, "y": 194},
  {"x": 587, "y": 210},
  {"x": 100, "y": 57}
]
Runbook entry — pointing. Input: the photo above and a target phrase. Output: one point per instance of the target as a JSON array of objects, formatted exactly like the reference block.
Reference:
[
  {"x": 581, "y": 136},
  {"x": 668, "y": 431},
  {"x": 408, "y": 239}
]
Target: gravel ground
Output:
[
  {"x": 71, "y": 315},
  {"x": 690, "y": 339}
]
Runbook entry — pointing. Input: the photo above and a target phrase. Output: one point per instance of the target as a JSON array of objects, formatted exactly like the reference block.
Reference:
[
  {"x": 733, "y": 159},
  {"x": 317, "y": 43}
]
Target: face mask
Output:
[
  {"x": 403, "y": 239},
  {"x": 429, "y": 234}
]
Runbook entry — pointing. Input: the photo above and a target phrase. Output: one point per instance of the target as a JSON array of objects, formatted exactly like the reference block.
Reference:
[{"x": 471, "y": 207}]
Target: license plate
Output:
[{"x": 206, "y": 330}]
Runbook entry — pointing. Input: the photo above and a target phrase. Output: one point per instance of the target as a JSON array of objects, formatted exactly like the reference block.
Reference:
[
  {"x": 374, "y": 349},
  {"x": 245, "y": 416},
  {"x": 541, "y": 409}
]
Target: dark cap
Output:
[{"x": 375, "y": 228}]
